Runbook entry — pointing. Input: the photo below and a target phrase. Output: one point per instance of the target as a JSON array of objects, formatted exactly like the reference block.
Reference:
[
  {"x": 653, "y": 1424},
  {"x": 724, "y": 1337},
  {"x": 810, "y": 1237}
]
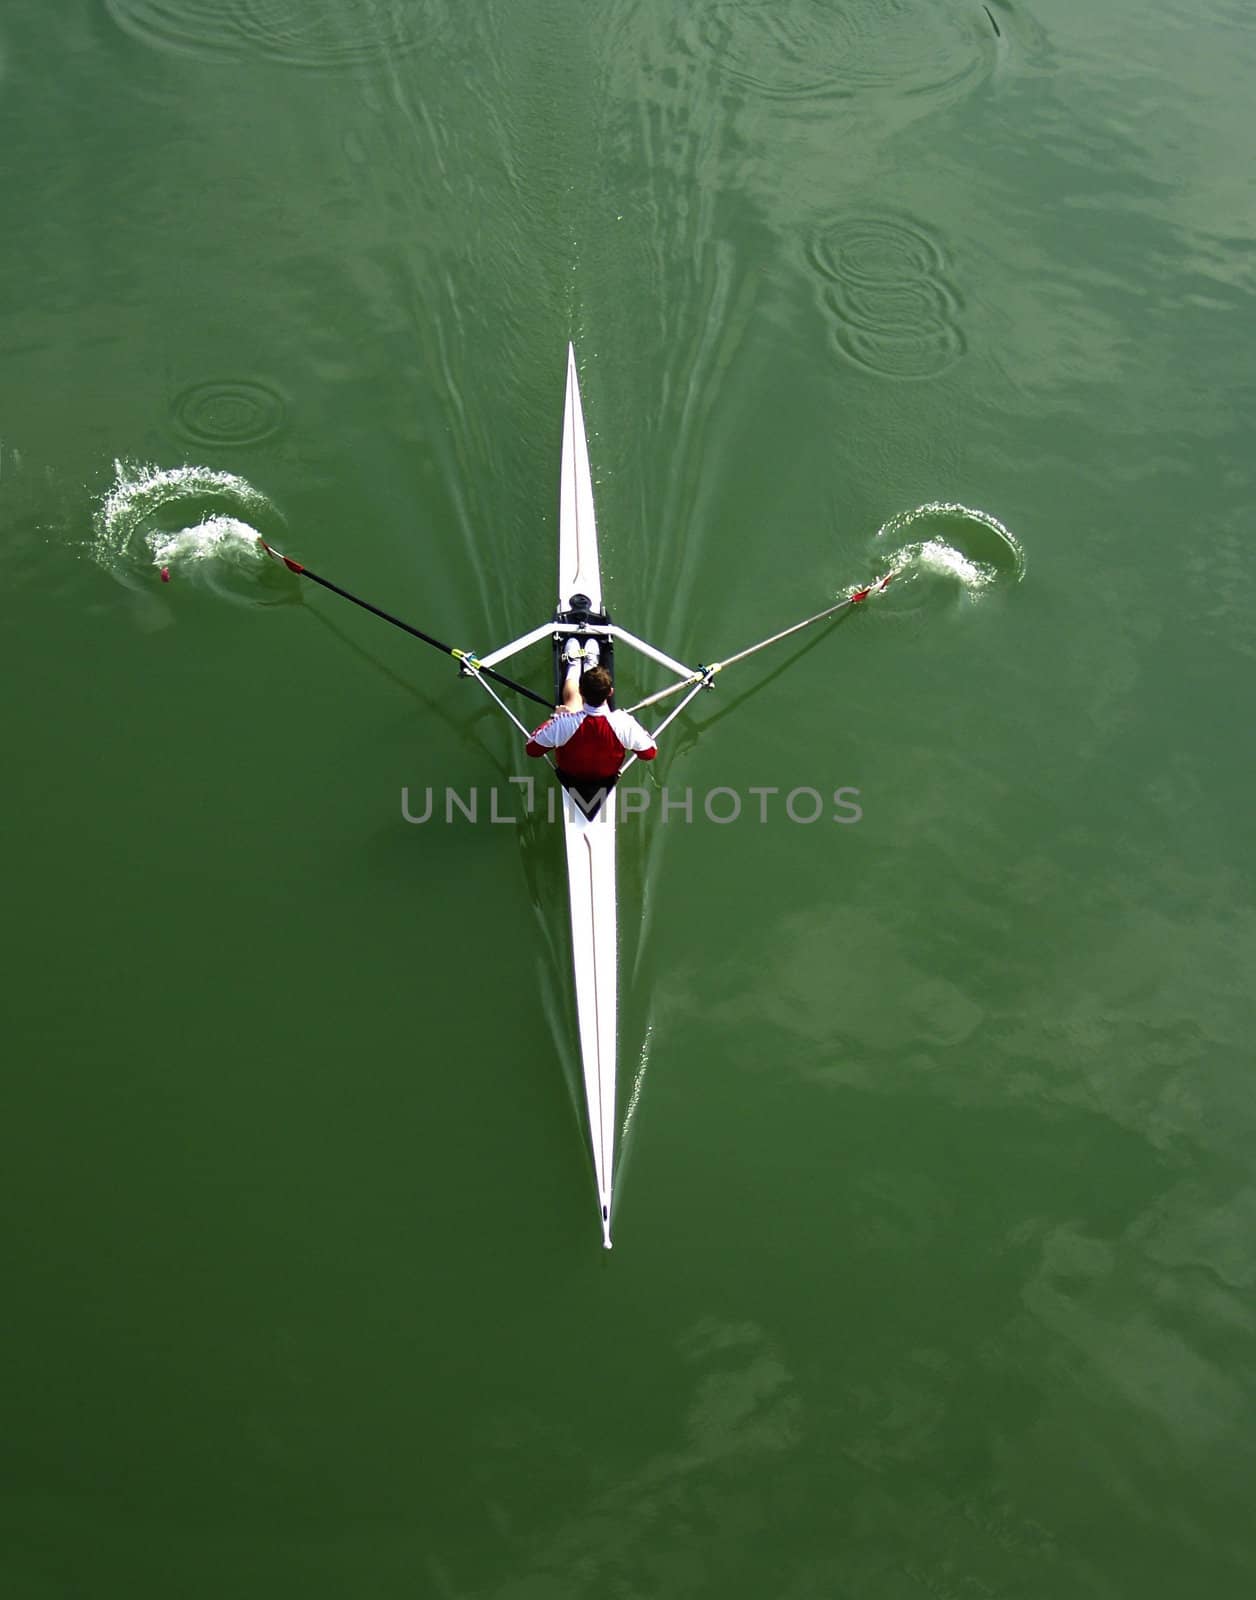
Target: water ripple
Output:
[
  {"x": 953, "y": 551},
  {"x": 318, "y": 34},
  {"x": 875, "y": 250},
  {"x": 894, "y": 308},
  {"x": 822, "y": 49},
  {"x": 189, "y": 523},
  {"x": 236, "y": 412}
]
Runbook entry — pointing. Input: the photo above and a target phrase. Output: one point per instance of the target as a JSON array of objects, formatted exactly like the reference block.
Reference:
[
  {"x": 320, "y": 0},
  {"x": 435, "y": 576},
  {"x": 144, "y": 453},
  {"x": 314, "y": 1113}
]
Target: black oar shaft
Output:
[{"x": 417, "y": 633}]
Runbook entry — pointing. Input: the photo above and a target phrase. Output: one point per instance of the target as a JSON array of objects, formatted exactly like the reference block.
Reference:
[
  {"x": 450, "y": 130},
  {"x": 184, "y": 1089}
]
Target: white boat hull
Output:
[
  {"x": 579, "y": 569},
  {"x": 594, "y": 939},
  {"x": 590, "y": 842}
]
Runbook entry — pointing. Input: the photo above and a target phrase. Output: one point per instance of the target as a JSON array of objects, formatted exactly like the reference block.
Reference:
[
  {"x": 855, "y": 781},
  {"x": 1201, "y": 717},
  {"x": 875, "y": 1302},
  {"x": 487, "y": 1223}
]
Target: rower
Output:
[{"x": 593, "y": 739}]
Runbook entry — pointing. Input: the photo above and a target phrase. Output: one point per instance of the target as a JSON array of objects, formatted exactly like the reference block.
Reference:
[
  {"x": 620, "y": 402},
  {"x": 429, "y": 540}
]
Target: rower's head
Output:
[{"x": 595, "y": 686}]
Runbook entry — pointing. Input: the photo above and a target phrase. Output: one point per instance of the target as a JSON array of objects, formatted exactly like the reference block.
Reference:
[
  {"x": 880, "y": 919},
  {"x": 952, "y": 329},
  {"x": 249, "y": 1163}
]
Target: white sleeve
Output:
[
  {"x": 630, "y": 732},
  {"x": 552, "y": 735}
]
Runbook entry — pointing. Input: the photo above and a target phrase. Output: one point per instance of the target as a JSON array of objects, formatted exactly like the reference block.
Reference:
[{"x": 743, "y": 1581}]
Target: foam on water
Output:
[
  {"x": 964, "y": 551},
  {"x": 936, "y": 556},
  {"x": 195, "y": 524},
  {"x": 218, "y": 538}
]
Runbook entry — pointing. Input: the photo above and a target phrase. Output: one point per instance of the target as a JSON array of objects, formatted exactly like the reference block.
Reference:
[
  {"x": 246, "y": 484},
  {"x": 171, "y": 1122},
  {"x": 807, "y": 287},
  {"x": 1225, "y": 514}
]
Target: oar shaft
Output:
[
  {"x": 664, "y": 694},
  {"x": 701, "y": 677},
  {"x": 703, "y": 683},
  {"x": 797, "y": 627},
  {"x": 406, "y": 627},
  {"x": 366, "y": 605}
]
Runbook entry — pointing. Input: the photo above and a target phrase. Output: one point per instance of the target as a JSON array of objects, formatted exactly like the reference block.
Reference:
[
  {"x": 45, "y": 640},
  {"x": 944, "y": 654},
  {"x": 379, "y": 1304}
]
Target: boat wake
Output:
[
  {"x": 958, "y": 554},
  {"x": 190, "y": 524}
]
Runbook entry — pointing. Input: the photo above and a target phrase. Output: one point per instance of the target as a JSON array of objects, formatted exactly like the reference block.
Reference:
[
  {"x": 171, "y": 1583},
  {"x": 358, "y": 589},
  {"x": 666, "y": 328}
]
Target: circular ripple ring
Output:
[
  {"x": 234, "y": 412},
  {"x": 922, "y": 354},
  {"x": 876, "y": 250},
  {"x": 925, "y": 304},
  {"x": 894, "y": 308}
]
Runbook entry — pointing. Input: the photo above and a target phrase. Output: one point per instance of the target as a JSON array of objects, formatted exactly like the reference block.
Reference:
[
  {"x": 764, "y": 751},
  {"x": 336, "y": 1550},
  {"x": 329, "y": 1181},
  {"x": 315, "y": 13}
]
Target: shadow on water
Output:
[
  {"x": 463, "y": 724},
  {"x": 963, "y": 553},
  {"x": 693, "y": 730}
]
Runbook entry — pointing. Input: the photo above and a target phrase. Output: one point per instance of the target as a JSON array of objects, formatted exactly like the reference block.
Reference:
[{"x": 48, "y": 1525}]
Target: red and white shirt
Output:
[{"x": 591, "y": 744}]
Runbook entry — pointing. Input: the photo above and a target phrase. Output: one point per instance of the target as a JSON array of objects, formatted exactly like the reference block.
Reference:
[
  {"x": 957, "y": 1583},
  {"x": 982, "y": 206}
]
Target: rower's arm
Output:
[
  {"x": 640, "y": 741},
  {"x": 552, "y": 733}
]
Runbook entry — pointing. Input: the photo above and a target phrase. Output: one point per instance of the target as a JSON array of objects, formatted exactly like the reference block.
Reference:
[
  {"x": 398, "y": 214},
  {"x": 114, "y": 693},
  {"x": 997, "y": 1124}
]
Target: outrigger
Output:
[{"x": 588, "y": 814}]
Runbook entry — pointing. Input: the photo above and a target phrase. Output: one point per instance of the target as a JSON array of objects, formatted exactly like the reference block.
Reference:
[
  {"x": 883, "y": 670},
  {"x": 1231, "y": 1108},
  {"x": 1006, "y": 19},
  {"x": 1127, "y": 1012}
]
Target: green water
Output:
[{"x": 936, "y": 1217}]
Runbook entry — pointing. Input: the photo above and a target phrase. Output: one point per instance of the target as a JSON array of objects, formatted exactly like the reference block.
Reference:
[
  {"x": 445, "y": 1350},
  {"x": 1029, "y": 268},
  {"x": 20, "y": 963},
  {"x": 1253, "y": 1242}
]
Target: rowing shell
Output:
[
  {"x": 590, "y": 840},
  {"x": 588, "y": 829}
]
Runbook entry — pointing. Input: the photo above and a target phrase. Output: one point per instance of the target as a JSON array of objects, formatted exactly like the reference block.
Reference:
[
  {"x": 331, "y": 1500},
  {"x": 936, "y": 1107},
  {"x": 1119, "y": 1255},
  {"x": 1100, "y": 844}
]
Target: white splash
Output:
[
  {"x": 964, "y": 546},
  {"x": 638, "y": 1083},
  {"x": 938, "y": 557},
  {"x": 190, "y": 522},
  {"x": 217, "y": 538}
]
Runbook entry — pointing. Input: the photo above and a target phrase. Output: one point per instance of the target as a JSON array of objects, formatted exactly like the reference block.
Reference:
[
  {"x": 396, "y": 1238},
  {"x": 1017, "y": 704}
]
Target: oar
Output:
[
  {"x": 704, "y": 676},
  {"x": 467, "y": 657}
]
